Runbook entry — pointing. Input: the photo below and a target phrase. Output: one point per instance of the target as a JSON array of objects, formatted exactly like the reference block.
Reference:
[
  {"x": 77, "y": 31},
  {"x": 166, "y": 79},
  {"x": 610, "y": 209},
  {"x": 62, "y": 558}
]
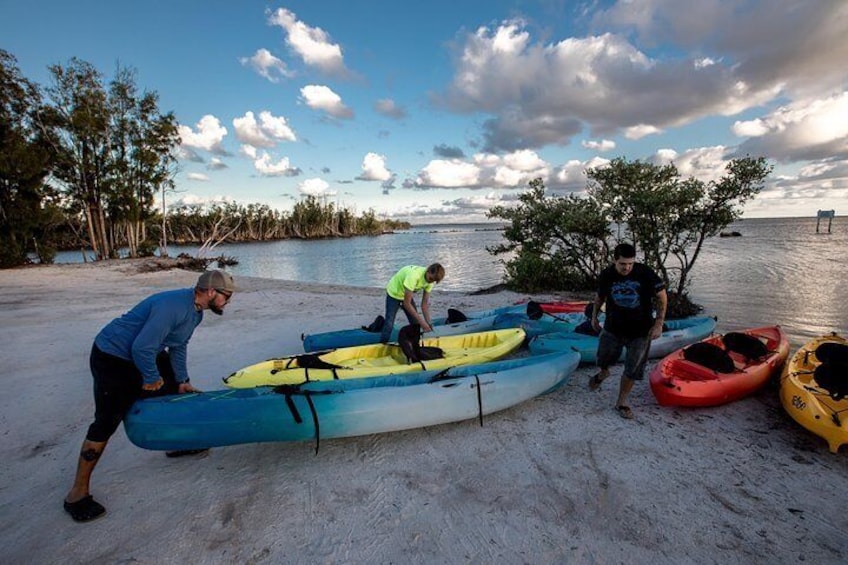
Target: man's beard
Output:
[{"x": 216, "y": 310}]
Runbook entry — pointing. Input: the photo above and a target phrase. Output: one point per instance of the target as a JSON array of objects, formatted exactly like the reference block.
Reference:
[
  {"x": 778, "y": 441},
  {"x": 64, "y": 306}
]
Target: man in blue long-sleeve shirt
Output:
[{"x": 141, "y": 354}]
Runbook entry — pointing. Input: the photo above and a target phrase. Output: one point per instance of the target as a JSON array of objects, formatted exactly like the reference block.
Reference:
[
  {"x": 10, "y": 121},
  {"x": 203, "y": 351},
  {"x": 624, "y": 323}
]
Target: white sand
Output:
[{"x": 559, "y": 479}]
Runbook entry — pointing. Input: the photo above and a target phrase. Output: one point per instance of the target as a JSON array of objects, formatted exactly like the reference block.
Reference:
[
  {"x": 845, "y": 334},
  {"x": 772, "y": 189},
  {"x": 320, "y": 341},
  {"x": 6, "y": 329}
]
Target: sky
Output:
[{"x": 436, "y": 111}]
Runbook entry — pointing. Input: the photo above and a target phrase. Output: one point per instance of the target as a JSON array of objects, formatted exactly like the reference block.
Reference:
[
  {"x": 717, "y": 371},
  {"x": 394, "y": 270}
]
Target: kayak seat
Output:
[
  {"x": 376, "y": 326},
  {"x": 310, "y": 361},
  {"x": 745, "y": 345},
  {"x": 534, "y": 310},
  {"x": 710, "y": 356},
  {"x": 833, "y": 377},
  {"x": 830, "y": 352},
  {"x": 455, "y": 316},
  {"x": 409, "y": 339},
  {"x": 586, "y": 328}
]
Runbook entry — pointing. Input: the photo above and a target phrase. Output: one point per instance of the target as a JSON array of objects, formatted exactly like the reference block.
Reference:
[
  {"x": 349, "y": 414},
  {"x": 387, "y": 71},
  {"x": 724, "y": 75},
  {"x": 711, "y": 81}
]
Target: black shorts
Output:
[{"x": 117, "y": 385}]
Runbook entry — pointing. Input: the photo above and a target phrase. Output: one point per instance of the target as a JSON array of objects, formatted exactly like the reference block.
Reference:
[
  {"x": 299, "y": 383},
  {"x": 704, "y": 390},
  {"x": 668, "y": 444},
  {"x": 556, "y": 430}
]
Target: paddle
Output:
[{"x": 535, "y": 312}]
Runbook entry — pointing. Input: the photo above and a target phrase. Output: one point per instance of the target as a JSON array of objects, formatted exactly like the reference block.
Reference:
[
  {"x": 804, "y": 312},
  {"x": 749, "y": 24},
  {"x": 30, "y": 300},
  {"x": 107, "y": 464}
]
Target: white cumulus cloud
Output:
[
  {"x": 448, "y": 174},
  {"x": 315, "y": 187},
  {"x": 267, "y": 65},
  {"x": 319, "y": 97},
  {"x": 374, "y": 168},
  {"x": 265, "y": 165},
  {"x": 602, "y": 145},
  {"x": 805, "y": 129},
  {"x": 265, "y": 132},
  {"x": 209, "y": 135},
  {"x": 311, "y": 44}
]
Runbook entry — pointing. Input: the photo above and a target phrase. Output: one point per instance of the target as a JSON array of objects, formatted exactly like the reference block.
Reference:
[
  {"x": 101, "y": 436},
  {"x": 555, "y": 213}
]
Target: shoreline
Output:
[{"x": 560, "y": 478}]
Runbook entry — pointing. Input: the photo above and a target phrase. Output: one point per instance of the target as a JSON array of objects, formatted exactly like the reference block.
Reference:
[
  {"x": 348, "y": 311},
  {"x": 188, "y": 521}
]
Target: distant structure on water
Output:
[{"x": 829, "y": 214}]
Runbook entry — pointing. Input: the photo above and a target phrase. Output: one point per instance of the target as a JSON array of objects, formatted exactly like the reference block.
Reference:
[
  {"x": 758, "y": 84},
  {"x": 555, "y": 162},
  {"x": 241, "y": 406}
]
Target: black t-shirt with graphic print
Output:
[{"x": 629, "y": 300}]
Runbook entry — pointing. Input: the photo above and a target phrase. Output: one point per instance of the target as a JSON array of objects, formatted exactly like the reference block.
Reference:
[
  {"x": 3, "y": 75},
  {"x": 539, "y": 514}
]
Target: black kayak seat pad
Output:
[
  {"x": 710, "y": 356},
  {"x": 746, "y": 345}
]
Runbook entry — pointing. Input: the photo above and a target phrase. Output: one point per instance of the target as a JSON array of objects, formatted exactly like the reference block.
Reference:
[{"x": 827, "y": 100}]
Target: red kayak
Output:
[
  {"x": 561, "y": 307},
  {"x": 564, "y": 307},
  {"x": 721, "y": 368}
]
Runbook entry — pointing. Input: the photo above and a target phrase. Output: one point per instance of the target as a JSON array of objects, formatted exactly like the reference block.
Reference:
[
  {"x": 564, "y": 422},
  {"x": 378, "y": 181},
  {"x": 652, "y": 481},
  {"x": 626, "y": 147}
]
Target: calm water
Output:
[{"x": 779, "y": 271}]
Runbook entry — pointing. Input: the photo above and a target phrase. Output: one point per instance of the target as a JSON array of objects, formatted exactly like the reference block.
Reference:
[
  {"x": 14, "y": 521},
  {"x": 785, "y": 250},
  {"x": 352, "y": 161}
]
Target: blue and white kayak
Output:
[
  {"x": 344, "y": 408},
  {"x": 678, "y": 333}
]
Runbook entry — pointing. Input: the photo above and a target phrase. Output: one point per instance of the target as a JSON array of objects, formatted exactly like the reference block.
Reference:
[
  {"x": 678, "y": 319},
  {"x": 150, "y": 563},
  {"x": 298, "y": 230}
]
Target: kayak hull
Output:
[{"x": 343, "y": 408}]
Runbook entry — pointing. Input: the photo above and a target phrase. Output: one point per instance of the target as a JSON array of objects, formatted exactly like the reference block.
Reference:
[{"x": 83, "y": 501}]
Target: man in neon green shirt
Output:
[{"x": 400, "y": 293}]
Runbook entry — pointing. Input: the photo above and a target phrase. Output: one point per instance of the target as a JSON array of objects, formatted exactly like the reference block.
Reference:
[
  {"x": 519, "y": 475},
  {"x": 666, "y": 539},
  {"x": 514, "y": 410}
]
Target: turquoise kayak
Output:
[
  {"x": 677, "y": 334},
  {"x": 475, "y": 322},
  {"x": 558, "y": 323},
  {"x": 343, "y": 408}
]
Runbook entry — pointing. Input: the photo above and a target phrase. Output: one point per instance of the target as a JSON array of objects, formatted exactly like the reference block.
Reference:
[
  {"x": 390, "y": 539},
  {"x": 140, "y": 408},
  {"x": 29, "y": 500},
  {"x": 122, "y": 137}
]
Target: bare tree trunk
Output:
[
  {"x": 101, "y": 230},
  {"x": 89, "y": 220},
  {"x": 132, "y": 240},
  {"x": 214, "y": 240},
  {"x": 163, "y": 244}
]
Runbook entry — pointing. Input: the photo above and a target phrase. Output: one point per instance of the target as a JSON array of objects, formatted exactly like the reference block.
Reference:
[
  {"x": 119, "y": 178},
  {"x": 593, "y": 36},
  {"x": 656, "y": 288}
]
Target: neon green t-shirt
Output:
[{"x": 411, "y": 278}]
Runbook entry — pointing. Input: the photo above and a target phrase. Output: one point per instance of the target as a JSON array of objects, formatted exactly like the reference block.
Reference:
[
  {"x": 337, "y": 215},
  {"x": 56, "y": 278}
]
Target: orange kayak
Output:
[{"x": 721, "y": 368}]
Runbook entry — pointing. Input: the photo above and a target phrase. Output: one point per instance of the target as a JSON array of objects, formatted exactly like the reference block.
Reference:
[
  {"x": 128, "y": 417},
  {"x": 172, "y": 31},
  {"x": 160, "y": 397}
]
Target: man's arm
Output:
[
  {"x": 425, "y": 309},
  {"x": 596, "y": 310},
  {"x": 407, "y": 305},
  {"x": 147, "y": 346},
  {"x": 662, "y": 304}
]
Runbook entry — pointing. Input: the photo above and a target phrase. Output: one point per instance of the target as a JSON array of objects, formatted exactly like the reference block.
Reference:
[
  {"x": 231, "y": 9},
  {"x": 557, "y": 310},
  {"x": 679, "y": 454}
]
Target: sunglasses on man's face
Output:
[{"x": 226, "y": 295}]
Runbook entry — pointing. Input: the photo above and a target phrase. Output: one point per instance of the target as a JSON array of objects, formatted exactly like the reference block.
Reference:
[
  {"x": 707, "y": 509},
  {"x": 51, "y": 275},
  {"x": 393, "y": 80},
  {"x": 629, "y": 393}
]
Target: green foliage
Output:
[
  {"x": 532, "y": 273},
  {"x": 680, "y": 306},
  {"x": 77, "y": 120},
  {"x": 669, "y": 218},
  {"x": 12, "y": 254},
  {"x": 147, "y": 248},
  {"x": 113, "y": 151},
  {"x": 25, "y": 208},
  {"x": 257, "y": 222},
  {"x": 560, "y": 240},
  {"x": 46, "y": 254},
  {"x": 368, "y": 224}
]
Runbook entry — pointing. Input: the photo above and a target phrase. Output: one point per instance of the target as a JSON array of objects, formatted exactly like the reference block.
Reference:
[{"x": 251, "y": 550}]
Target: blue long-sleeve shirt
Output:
[{"x": 166, "y": 319}]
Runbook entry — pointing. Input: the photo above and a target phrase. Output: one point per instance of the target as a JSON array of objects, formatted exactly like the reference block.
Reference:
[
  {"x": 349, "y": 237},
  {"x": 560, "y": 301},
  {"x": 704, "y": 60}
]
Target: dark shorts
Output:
[
  {"x": 610, "y": 347},
  {"x": 117, "y": 385}
]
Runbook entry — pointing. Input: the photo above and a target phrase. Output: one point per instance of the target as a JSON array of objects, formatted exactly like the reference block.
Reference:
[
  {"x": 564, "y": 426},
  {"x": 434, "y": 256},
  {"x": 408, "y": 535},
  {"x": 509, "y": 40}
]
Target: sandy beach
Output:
[{"x": 560, "y": 479}]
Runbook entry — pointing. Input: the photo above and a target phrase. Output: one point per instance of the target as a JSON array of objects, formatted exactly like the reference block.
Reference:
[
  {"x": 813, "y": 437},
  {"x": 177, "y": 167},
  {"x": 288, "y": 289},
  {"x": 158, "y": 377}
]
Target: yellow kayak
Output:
[
  {"x": 810, "y": 390},
  {"x": 377, "y": 360}
]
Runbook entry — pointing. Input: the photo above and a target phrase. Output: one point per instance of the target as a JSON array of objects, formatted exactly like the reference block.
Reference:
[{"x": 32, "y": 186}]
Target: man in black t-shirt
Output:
[{"x": 628, "y": 289}]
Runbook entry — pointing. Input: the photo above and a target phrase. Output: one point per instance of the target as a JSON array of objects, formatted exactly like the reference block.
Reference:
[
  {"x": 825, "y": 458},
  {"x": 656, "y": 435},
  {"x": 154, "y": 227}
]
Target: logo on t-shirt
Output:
[{"x": 626, "y": 294}]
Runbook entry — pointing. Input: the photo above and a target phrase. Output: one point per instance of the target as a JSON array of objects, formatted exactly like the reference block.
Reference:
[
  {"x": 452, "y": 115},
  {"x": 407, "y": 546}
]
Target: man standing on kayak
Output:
[
  {"x": 628, "y": 289},
  {"x": 400, "y": 294},
  {"x": 139, "y": 355}
]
